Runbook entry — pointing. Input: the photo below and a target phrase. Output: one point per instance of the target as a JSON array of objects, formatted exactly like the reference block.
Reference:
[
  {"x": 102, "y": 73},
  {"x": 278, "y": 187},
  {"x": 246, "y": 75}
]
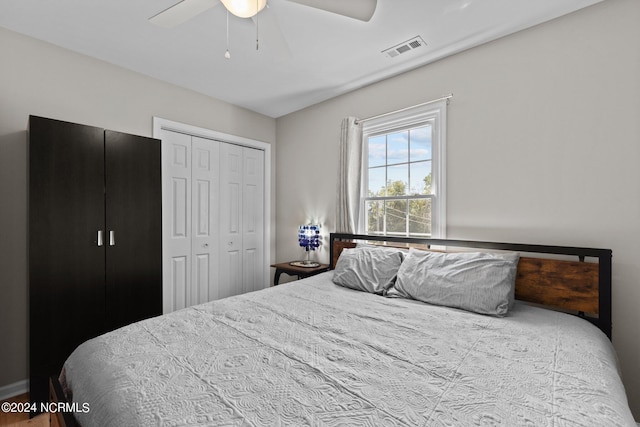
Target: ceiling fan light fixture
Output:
[{"x": 244, "y": 8}]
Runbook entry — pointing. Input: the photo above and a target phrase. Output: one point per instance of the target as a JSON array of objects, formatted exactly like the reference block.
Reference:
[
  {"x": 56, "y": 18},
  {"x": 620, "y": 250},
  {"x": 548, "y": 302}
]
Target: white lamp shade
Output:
[{"x": 244, "y": 8}]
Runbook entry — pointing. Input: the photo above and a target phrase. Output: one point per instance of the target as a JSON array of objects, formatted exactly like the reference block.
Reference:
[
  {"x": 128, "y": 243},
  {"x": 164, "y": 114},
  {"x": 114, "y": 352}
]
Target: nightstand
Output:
[{"x": 293, "y": 270}]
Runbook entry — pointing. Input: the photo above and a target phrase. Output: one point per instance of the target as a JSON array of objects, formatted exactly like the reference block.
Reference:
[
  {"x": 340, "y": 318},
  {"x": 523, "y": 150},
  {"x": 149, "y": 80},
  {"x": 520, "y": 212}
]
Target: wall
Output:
[
  {"x": 543, "y": 147},
  {"x": 41, "y": 79}
]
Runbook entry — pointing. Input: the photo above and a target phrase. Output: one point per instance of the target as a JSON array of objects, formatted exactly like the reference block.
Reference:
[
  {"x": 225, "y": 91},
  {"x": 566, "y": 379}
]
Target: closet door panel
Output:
[
  {"x": 231, "y": 208},
  {"x": 66, "y": 265},
  {"x": 177, "y": 217},
  {"x": 205, "y": 234},
  {"x": 253, "y": 220},
  {"x": 134, "y": 228}
]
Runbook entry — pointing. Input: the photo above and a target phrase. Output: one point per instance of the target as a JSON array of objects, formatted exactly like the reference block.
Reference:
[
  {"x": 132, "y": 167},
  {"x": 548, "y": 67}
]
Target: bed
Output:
[{"x": 312, "y": 352}]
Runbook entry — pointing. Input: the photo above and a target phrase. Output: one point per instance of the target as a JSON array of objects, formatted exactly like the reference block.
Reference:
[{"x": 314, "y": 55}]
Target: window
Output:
[{"x": 403, "y": 173}]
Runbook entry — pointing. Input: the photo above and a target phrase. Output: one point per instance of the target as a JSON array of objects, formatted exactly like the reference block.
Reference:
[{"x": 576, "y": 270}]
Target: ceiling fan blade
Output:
[
  {"x": 357, "y": 9},
  {"x": 182, "y": 12},
  {"x": 270, "y": 34}
]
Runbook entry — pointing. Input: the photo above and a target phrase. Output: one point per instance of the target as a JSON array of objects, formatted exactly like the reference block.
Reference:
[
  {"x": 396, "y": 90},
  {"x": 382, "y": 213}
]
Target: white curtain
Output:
[{"x": 349, "y": 176}]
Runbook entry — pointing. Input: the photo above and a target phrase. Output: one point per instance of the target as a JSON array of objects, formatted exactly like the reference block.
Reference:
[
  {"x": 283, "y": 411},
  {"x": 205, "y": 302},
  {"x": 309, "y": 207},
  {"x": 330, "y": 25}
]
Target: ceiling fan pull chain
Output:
[
  {"x": 257, "y": 27},
  {"x": 227, "y": 54}
]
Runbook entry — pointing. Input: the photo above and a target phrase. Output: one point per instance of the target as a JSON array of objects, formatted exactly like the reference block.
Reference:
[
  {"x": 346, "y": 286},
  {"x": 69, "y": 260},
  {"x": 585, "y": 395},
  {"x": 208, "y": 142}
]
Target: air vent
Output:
[{"x": 404, "y": 47}]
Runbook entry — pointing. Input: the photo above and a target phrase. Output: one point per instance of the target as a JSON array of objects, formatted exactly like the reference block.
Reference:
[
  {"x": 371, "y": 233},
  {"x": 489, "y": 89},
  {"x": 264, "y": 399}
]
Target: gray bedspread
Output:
[{"x": 313, "y": 353}]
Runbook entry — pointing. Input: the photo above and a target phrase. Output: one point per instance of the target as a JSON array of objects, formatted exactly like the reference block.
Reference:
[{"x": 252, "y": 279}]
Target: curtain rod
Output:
[{"x": 403, "y": 109}]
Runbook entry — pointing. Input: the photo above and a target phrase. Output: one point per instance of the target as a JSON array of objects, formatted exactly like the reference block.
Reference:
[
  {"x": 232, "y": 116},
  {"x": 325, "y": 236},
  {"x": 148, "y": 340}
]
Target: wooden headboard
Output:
[{"x": 577, "y": 286}]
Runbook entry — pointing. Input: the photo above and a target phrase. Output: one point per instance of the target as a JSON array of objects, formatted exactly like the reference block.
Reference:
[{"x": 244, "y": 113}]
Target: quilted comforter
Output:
[{"x": 313, "y": 353}]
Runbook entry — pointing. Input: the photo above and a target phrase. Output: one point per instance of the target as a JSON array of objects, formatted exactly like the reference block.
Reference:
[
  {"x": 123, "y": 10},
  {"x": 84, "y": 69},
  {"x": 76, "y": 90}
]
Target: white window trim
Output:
[{"x": 434, "y": 113}]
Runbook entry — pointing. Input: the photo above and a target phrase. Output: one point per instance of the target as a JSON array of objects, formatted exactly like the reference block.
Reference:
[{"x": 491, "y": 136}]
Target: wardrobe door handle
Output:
[
  {"x": 112, "y": 238},
  {"x": 100, "y": 237}
]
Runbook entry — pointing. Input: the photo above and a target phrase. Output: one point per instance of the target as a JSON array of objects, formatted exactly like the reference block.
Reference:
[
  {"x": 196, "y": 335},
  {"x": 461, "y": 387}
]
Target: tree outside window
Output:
[{"x": 399, "y": 182}]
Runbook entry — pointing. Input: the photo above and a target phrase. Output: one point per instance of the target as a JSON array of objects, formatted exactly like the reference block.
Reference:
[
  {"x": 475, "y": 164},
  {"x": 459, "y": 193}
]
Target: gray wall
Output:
[
  {"x": 41, "y": 79},
  {"x": 543, "y": 147}
]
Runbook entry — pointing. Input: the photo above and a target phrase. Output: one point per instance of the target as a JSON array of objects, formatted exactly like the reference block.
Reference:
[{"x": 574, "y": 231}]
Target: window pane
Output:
[
  {"x": 420, "y": 178},
  {"x": 397, "y": 180},
  {"x": 377, "y": 150},
  {"x": 396, "y": 216},
  {"x": 375, "y": 217},
  {"x": 398, "y": 147},
  {"x": 420, "y": 143},
  {"x": 377, "y": 180},
  {"x": 420, "y": 216}
]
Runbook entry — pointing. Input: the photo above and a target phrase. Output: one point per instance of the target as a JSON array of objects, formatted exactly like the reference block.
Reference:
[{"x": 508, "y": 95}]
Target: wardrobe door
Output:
[
  {"x": 66, "y": 259},
  {"x": 134, "y": 228}
]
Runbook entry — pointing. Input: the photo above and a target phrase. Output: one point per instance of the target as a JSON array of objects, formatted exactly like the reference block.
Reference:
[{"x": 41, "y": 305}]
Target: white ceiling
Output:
[{"x": 324, "y": 55}]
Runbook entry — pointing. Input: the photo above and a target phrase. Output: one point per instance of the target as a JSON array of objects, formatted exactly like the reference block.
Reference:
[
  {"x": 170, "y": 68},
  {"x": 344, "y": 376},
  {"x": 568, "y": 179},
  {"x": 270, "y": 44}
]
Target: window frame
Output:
[{"x": 434, "y": 114}]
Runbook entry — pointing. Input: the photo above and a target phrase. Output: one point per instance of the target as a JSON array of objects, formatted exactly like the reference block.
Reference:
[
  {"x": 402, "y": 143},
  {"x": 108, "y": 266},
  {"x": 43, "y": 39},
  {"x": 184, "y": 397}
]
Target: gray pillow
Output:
[
  {"x": 474, "y": 281},
  {"x": 369, "y": 269}
]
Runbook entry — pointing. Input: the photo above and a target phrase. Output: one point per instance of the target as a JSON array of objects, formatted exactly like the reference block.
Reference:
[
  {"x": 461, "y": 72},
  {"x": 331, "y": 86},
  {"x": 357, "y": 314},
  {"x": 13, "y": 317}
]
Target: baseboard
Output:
[{"x": 15, "y": 389}]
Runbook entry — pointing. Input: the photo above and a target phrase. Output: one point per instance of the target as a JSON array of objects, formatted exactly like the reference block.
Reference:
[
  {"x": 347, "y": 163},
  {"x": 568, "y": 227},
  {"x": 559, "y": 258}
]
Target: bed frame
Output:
[
  {"x": 61, "y": 418},
  {"x": 577, "y": 287}
]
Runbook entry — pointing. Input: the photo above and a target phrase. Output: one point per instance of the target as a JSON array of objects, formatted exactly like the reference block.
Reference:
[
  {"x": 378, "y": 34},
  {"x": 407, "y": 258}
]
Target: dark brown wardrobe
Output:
[{"x": 95, "y": 238}]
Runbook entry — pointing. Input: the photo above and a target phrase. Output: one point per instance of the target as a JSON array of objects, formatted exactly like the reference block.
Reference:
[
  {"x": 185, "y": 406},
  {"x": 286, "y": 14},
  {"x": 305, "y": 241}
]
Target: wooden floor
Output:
[{"x": 13, "y": 419}]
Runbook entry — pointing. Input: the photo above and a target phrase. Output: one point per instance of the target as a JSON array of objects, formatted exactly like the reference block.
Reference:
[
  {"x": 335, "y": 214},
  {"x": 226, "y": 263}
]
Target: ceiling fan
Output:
[{"x": 186, "y": 9}]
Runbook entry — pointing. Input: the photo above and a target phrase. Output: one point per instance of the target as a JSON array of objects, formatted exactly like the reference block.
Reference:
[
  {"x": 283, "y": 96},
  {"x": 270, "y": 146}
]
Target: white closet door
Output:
[
  {"x": 231, "y": 215},
  {"x": 213, "y": 220},
  {"x": 176, "y": 263},
  {"x": 190, "y": 205},
  {"x": 253, "y": 220},
  {"x": 205, "y": 229}
]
